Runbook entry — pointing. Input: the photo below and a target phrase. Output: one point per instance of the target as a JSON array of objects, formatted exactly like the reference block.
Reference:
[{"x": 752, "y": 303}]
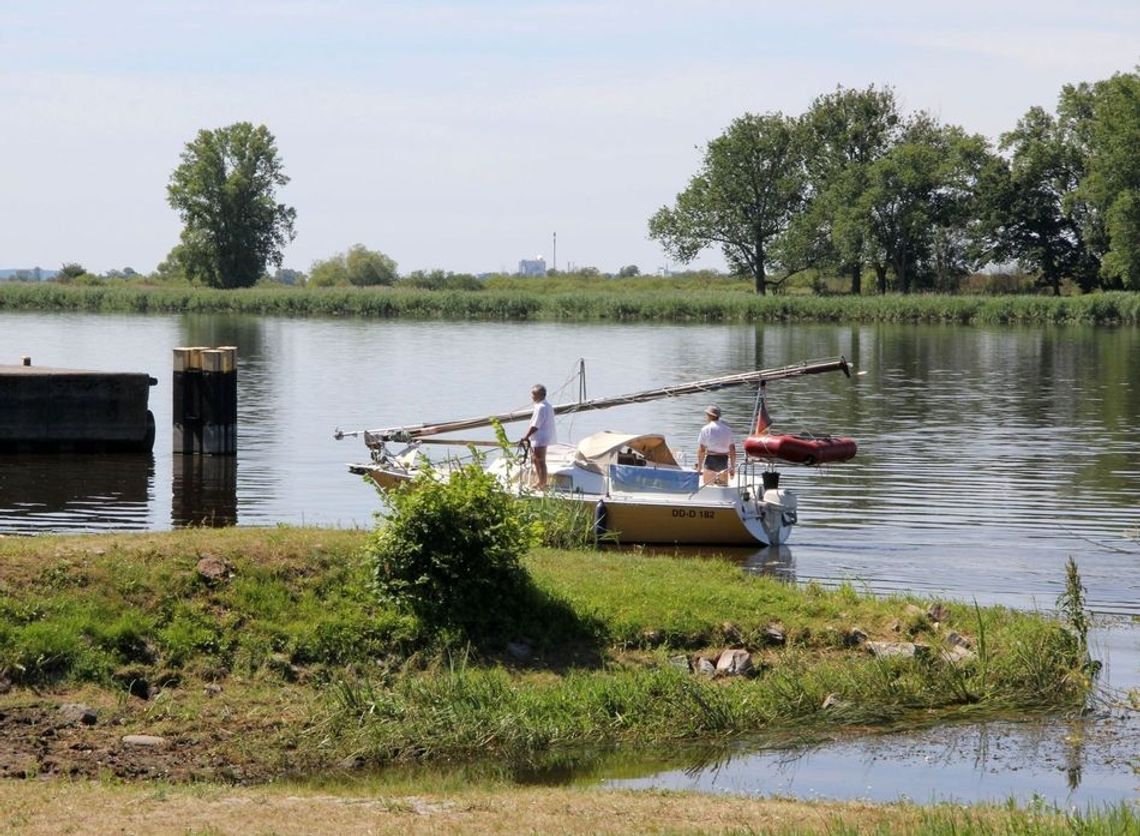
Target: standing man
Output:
[
  {"x": 541, "y": 433},
  {"x": 716, "y": 449}
]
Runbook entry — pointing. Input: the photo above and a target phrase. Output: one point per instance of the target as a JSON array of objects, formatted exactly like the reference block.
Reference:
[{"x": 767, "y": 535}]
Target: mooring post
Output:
[
  {"x": 184, "y": 390},
  {"x": 205, "y": 401},
  {"x": 219, "y": 401},
  {"x": 229, "y": 397}
]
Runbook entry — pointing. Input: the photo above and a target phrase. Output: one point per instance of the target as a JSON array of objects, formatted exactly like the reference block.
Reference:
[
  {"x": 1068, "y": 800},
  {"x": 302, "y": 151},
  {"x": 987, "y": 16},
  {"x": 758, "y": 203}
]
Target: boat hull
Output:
[
  {"x": 799, "y": 449},
  {"x": 690, "y": 523}
]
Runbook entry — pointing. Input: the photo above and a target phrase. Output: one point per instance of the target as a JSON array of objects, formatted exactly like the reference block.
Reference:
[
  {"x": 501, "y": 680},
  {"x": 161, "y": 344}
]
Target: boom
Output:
[{"x": 410, "y": 433}]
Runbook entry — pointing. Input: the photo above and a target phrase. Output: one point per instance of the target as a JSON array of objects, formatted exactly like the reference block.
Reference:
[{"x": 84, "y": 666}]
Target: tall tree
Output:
[
  {"x": 752, "y": 183},
  {"x": 1112, "y": 182},
  {"x": 847, "y": 131},
  {"x": 919, "y": 202},
  {"x": 1029, "y": 211},
  {"x": 225, "y": 193}
]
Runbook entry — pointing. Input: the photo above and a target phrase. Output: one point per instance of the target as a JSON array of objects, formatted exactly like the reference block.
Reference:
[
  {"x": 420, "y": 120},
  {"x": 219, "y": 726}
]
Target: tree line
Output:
[{"x": 852, "y": 187}]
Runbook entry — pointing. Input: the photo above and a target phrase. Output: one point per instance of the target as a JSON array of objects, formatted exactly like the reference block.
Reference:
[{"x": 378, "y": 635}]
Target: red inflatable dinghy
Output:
[{"x": 800, "y": 449}]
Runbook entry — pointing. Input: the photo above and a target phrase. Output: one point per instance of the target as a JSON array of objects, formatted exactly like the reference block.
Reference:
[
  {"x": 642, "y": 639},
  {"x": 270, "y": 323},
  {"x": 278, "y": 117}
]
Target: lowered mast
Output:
[{"x": 417, "y": 431}]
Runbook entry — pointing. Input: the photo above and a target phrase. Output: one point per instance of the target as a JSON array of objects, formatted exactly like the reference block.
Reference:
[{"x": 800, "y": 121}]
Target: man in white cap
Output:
[{"x": 716, "y": 449}]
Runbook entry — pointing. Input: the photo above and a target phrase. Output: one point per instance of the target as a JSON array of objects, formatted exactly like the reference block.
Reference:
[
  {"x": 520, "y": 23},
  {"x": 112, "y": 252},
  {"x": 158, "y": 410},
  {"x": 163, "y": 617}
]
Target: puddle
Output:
[
  {"x": 1090, "y": 761},
  {"x": 1070, "y": 765}
]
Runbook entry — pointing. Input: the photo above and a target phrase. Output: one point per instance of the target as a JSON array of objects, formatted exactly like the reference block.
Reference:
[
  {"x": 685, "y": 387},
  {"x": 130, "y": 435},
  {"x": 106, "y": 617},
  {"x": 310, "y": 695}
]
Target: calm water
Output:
[{"x": 988, "y": 456}]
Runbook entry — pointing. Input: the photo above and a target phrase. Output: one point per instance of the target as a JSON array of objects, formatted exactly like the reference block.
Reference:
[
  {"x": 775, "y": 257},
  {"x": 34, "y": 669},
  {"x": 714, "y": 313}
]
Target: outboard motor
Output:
[{"x": 779, "y": 513}]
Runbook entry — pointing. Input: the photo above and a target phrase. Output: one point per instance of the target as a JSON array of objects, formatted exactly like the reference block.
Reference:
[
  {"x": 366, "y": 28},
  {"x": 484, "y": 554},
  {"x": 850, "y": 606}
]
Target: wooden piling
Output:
[{"x": 205, "y": 401}]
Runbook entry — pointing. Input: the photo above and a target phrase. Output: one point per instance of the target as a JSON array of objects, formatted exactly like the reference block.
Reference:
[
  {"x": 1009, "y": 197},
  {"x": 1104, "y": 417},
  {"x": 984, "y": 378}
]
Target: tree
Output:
[
  {"x": 70, "y": 272},
  {"x": 225, "y": 193},
  {"x": 1112, "y": 182},
  {"x": 629, "y": 271},
  {"x": 918, "y": 205},
  {"x": 1028, "y": 204},
  {"x": 847, "y": 131},
  {"x": 358, "y": 266},
  {"x": 752, "y": 183}
]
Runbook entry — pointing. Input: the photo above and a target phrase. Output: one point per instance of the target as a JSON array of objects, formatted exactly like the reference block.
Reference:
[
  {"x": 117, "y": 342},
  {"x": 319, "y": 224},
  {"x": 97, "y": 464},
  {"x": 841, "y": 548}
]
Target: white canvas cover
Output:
[{"x": 601, "y": 449}]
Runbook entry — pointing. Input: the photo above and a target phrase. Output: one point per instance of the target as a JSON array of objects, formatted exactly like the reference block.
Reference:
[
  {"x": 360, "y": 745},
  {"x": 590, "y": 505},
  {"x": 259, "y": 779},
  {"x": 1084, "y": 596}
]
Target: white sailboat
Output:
[{"x": 638, "y": 491}]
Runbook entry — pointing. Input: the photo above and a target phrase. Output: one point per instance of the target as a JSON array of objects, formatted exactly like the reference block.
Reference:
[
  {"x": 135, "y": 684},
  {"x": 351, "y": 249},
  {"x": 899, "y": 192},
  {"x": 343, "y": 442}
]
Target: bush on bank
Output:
[
  {"x": 449, "y": 552},
  {"x": 630, "y": 302}
]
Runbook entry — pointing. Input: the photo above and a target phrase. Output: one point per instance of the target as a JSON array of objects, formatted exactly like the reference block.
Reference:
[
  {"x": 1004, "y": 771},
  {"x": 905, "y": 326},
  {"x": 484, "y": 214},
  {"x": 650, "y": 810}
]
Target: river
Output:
[{"x": 987, "y": 457}]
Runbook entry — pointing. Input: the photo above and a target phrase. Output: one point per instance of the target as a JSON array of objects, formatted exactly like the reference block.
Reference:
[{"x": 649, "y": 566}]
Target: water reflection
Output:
[
  {"x": 75, "y": 492},
  {"x": 774, "y": 560},
  {"x": 204, "y": 491},
  {"x": 1032, "y": 760}
]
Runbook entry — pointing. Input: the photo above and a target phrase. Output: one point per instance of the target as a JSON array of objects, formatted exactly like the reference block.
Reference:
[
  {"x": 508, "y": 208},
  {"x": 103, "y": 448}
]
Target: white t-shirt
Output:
[
  {"x": 543, "y": 422},
  {"x": 716, "y": 437}
]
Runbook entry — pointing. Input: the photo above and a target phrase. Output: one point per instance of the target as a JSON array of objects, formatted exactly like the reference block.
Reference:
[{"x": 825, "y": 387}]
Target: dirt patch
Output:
[
  {"x": 40, "y": 741},
  {"x": 96, "y": 735}
]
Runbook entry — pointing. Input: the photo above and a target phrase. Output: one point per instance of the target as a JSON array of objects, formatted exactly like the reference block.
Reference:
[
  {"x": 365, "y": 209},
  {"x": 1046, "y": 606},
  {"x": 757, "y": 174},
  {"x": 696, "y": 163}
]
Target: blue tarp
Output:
[{"x": 626, "y": 477}]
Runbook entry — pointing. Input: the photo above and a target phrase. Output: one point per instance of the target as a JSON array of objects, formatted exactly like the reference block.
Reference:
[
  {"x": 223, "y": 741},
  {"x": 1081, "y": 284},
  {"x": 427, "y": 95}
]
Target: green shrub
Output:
[
  {"x": 450, "y": 551},
  {"x": 558, "y": 524}
]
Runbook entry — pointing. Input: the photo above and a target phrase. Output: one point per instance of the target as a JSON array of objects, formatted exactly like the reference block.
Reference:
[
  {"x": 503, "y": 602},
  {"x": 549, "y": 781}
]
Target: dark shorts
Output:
[{"x": 716, "y": 462}]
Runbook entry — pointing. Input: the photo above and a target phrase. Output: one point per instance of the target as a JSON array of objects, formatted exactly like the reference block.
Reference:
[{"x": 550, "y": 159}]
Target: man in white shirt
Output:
[
  {"x": 716, "y": 449},
  {"x": 540, "y": 433}
]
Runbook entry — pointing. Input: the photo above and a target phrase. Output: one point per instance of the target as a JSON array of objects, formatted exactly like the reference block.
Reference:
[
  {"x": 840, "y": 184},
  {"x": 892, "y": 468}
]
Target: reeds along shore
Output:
[{"x": 614, "y": 300}]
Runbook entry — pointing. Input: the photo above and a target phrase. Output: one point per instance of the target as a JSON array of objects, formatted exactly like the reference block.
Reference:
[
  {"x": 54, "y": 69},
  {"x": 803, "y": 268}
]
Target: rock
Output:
[
  {"x": 520, "y": 652},
  {"x": 774, "y": 634},
  {"x": 938, "y": 612},
  {"x": 734, "y": 662},
  {"x": 957, "y": 640},
  {"x": 912, "y": 610},
  {"x": 75, "y": 712},
  {"x": 212, "y": 689},
  {"x": 956, "y": 653},
  {"x": 855, "y": 636},
  {"x": 704, "y": 667},
  {"x": 681, "y": 663},
  {"x": 5, "y": 684},
  {"x": 832, "y": 701},
  {"x": 214, "y": 569},
  {"x": 150, "y": 741},
  {"x": 896, "y": 626},
  {"x": 886, "y": 649}
]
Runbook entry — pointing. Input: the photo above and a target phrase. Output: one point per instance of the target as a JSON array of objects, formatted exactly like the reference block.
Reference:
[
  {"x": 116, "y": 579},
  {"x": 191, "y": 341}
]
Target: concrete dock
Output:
[{"x": 68, "y": 410}]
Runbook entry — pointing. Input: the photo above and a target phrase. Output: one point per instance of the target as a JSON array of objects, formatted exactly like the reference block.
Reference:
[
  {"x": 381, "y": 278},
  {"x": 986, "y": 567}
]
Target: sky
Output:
[{"x": 466, "y": 136}]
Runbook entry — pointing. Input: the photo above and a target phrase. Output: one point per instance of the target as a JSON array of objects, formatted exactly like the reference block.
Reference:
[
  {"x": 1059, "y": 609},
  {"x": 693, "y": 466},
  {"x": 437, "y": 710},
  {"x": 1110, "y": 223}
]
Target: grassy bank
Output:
[
  {"x": 602, "y": 301},
  {"x": 285, "y": 660}
]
